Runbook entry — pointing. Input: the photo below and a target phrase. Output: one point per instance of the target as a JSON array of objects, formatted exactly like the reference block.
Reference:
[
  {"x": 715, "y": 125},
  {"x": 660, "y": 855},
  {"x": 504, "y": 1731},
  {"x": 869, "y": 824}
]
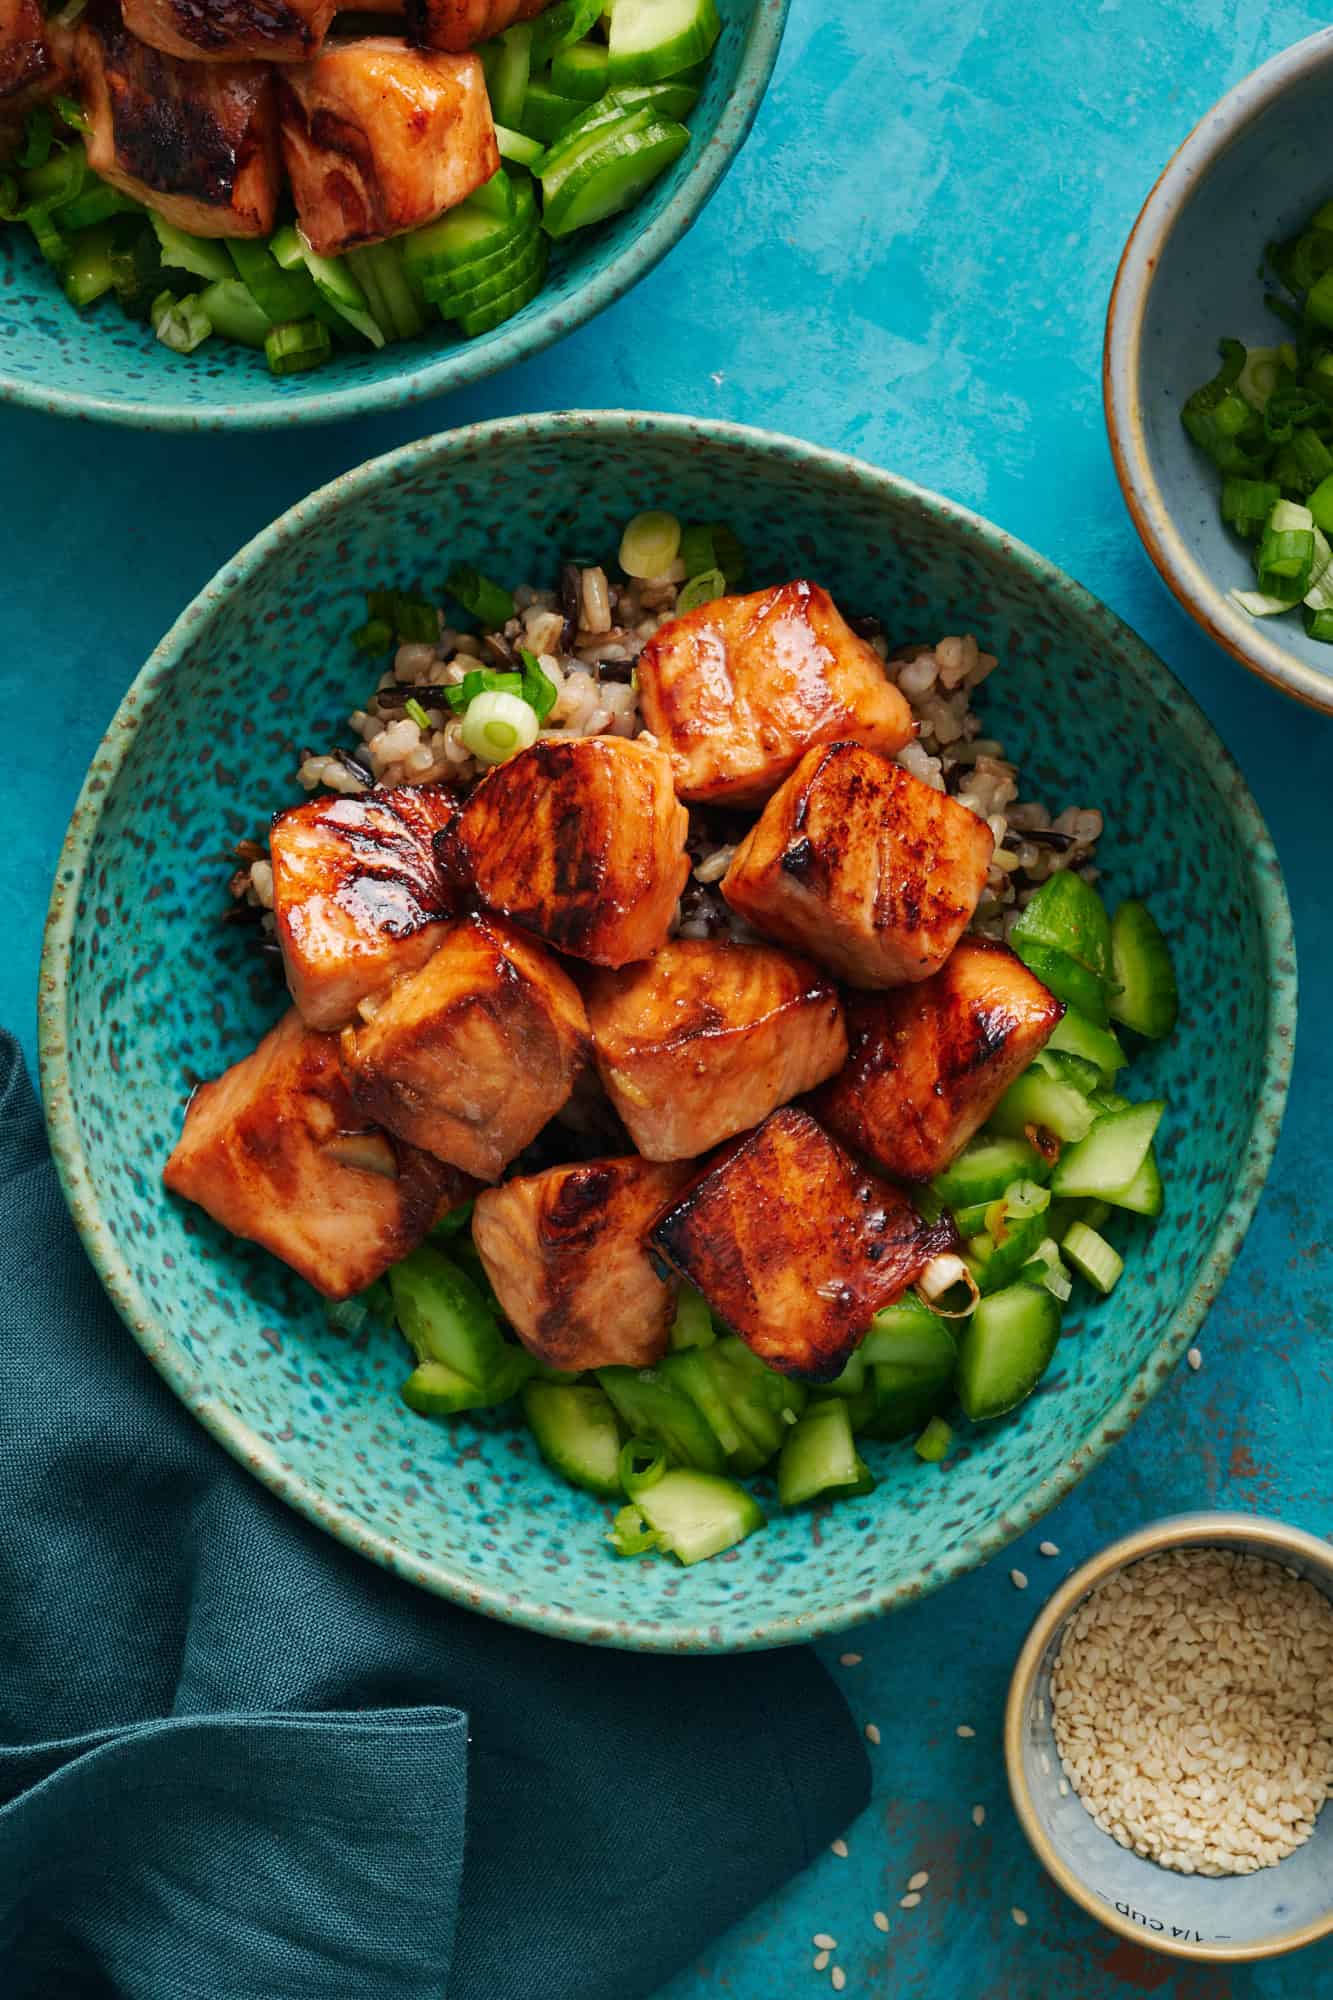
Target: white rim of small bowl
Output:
[
  {"x": 1203, "y": 1530},
  {"x": 1191, "y": 586}
]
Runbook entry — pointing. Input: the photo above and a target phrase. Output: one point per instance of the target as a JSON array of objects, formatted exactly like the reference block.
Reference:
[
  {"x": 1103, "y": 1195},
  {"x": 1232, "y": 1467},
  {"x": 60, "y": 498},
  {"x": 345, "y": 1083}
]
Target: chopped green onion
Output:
[
  {"x": 416, "y": 621},
  {"x": 37, "y": 138},
  {"x": 1261, "y": 375},
  {"x": 1319, "y": 300},
  {"x": 374, "y": 637},
  {"x": 696, "y": 549},
  {"x": 482, "y": 599},
  {"x": 630, "y": 1534},
  {"x": 1092, "y": 1257},
  {"x": 538, "y": 689},
  {"x": 1247, "y": 503},
  {"x": 53, "y": 246},
  {"x": 180, "y": 324},
  {"x": 417, "y": 713},
  {"x": 1319, "y": 625},
  {"x": 297, "y": 344},
  {"x": 934, "y": 1441},
  {"x": 1221, "y": 422},
  {"x": 73, "y": 114},
  {"x": 1286, "y": 552},
  {"x": 650, "y": 544},
  {"x": 481, "y": 680},
  {"x": 702, "y": 590},
  {"x": 498, "y": 726},
  {"x": 642, "y": 1463}
]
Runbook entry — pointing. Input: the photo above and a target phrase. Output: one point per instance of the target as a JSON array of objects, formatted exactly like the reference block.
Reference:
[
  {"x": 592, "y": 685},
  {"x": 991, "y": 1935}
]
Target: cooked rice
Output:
[{"x": 591, "y": 663}]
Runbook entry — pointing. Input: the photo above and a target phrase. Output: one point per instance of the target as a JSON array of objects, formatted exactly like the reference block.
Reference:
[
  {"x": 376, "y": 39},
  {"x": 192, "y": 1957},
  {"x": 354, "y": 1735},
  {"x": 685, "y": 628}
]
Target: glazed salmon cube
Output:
[
  {"x": 358, "y": 896},
  {"x": 462, "y": 24},
  {"x": 276, "y": 1151},
  {"x": 473, "y": 1054},
  {"x": 582, "y": 842},
  {"x": 864, "y": 865},
  {"x": 27, "y": 63},
  {"x": 566, "y": 1252},
  {"x": 231, "y": 30},
  {"x": 737, "y": 691},
  {"x": 795, "y": 1246},
  {"x": 378, "y": 137},
  {"x": 197, "y": 143},
  {"x": 929, "y": 1063},
  {"x": 704, "y": 1039}
]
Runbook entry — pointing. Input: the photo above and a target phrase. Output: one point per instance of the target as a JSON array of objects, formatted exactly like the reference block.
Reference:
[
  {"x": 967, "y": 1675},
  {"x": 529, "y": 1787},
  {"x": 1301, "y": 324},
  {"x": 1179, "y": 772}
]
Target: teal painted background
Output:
[{"x": 910, "y": 261}]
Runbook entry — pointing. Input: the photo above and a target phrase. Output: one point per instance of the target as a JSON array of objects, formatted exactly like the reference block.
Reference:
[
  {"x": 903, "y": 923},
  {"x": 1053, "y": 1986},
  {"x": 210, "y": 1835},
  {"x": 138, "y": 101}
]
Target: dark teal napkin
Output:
[{"x": 239, "y": 1763}]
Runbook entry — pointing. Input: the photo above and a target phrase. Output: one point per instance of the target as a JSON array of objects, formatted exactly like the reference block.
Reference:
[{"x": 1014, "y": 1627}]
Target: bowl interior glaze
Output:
[{"x": 144, "y": 990}]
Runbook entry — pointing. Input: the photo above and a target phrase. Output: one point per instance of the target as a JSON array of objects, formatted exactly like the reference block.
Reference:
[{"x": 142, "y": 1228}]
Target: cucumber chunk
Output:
[
  {"x": 337, "y": 284},
  {"x": 762, "y": 1401},
  {"x": 201, "y": 256},
  {"x": 481, "y": 318},
  {"x": 1065, "y": 978},
  {"x": 694, "y": 1372},
  {"x": 1084, "y": 1076},
  {"x": 544, "y": 114},
  {"x": 1092, "y": 1256},
  {"x": 819, "y": 1455},
  {"x": 1042, "y": 1101},
  {"x": 613, "y": 175},
  {"x": 434, "y": 1389},
  {"x": 507, "y": 73},
  {"x": 650, "y": 39},
  {"x": 517, "y": 146},
  {"x": 910, "y": 1337},
  {"x": 1112, "y": 1153},
  {"x": 580, "y": 71},
  {"x": 693, "y": 1323},
  {"x": 1075, "y": 1035},
  {"x": 1006, "y": 1349},
  {"x": 577, "y": 1433},
  {"x": 234, "y": 313},
  {"x": 986, "y": 1167},
  {"x": 695, "y": 1515},
  {"x": 1068, "y": 915},
  {"x": 650, "y": 1407},
  {"x": 283, "y": 295},
  {"x": 903, "y": 1403},
  {"x": 1143, "y": 1195},
  {"x": 466, "y": 294},
  {"x": 467, "y": 233},
  {"x": 445, "y": 1318},
  {"x": 568, "y": 21},
  {"x": 1020, "y": 1242},
  {"x": 1147, "y": 1000}
]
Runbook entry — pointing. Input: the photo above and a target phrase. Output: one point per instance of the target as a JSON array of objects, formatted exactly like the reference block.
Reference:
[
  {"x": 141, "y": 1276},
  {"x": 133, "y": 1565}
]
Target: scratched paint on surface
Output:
[{"x": 911, "y": 261}]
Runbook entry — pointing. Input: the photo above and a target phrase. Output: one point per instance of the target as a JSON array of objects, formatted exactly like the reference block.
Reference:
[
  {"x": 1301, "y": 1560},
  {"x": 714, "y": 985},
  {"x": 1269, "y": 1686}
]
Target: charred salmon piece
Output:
[
  {"x": 276, "y": 1151},
  {"x": 737, "y": 691},
  {"x": 795, "y": 1246},
  {"x": 567, "y": 1253},
  {"x": 284, "y": 31},
  {"x": 929, "y": 1063},
  {"x": 582, "y": 842},
  {"x": 197, "y": 143},
  {"x": 378, "y": 137},
  {"x": 358, "y": 896},
  {"x": 706, "y": 1038},
  {"x": 473, "y": 1054},
  {"x": 864, "y": 865},
  {"x": 460, "y": 24},
  {"x": 28, "y": 66}
]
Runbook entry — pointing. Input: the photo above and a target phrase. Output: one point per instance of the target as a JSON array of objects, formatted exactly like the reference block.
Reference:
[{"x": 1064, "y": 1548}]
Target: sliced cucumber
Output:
[
  {"x": 650, "y": 39},
  {"x": 517, "y": 146},
  {"x": 283, "y": 295},
  {"x": 695, "y": 1515},
  {"x": 986, "y": 1167},
  {"x": 1075, "y": 1035},
  {"x": 560, "y": 26},
  {"x": 337, "y": 283},
  {"x": 480, "y": 319},
  {"x": 1068, "y": 915},
  {"x": 1147, "y": 1000},
  {"x": 1143, "y": 1195},
  {"x": 580, "y": 71},
  {"x": 507, "y": 74},
  {"x": 1084, "y": 1076},
  {"x": 649, "y": 1406},
  {"x": 693, "y": 1323},
  {"x": 613, "y": 176},
  {"x": 585, "y": 135},
  {"x": 497, "y": 196},
  {"x": 577, "y": 1433},
  {"x": 1022, "y": 1240},
  {"x": 1111, "y": 1155},
  {"x": 902, "y": 1406},
  {"x": 762, "y": 1401},
  {"x": 444, "y": 1317},
  {"x": 819, "y": 1454},
  {"x": 234, "y": 313},
  {"x": 434, "y": 1389},
  {"x": 694, "y": 1372},
  {"x": 1092, "y": 1256},
  {"x": 544, "y": 114},
  {"x": 201, "y": 256},
  {"x": 1065, "y": 978},
  {"x": 468, "y": 294},
  {"x": 851, "y": 1379},
  {"x": 468, "y": 234},
  {"x": 382, "y": 264},
  {"x": 287, "y": 247},
  {"x": 911, "y": 1337},
  {"x": 1037, "y": 1100},
  {"x": 1006, "y": 1348},
  {"x": 447, "y": 288}
]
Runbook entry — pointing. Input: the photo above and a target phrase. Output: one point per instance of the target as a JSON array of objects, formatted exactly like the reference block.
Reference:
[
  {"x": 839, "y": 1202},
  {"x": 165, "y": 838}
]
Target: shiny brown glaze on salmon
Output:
[
  {"x": 704, "y": 1039},
  {"x": 582, "y": 842},
  {"x": 461, "y": 24},
  {"x": 795, "y": 1246},
  {"x": 929, "y": 1063},
  {"x": 379, "y": 137},
  {"x": 566, "y": 1252},
  {"x": 870, "y": 869},
  {"x": 277, "y": 1152},
  {"x": 26, "y": 60},
  {"x": 473, "y": 1054},
  {"x": 738, "y": 690},
  {"x": 358, "y": 896},
  {"x": 198, "y": 144},
  {"x": 231, "y": 30}
]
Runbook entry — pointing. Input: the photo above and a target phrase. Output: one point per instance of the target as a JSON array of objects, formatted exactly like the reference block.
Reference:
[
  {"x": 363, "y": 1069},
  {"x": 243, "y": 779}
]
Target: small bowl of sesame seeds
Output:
[{"x": 1169, "y": 1737}]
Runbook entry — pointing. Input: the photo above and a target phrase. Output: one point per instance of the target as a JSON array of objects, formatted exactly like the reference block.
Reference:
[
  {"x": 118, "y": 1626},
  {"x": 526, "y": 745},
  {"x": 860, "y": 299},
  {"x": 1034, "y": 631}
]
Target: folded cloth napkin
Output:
[{"x": 237, "y": 1762}]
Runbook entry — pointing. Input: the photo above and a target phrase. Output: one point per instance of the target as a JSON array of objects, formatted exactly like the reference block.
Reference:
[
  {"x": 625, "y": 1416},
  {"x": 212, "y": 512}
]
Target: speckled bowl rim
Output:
[
  {"x": 691, "y": 435},
  {"x": 459, "y": 367},
  {"x": 1210, "y": 1529},
  {"x": 1192, "y": 587}
]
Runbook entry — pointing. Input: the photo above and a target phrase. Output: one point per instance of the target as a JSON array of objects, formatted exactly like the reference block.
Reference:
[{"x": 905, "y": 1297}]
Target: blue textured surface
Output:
[{"x": 910, "y": 260}]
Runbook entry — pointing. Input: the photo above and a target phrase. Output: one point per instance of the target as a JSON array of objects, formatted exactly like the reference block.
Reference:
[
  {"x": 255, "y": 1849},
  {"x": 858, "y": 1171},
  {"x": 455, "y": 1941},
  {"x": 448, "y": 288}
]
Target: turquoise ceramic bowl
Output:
[
  {"x": 1252, "y": 170},
  {"x": 100, "y": 366},
  {"x": 143, "y": 989}
]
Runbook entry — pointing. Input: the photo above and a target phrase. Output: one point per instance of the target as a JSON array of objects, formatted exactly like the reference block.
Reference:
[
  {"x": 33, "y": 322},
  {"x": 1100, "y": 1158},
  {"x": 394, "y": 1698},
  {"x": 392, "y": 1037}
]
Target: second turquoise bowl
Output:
[
  {"x": 100, "y": 366},
  {"x": 143, "y": 990}
]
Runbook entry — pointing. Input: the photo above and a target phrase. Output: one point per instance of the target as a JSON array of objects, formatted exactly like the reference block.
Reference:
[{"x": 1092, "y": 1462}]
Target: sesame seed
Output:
[
  {"x": 909, "y": 1901},
  {"x": 964, "y": 1729},
  {"x": 821, "y": 1960},
  {"x": 850, "y": 1660},
  {"x": 1020, "y": 1917},
  {"x": 880, "y": 1920},
  {"x": 838, "y": 1847},
  {"x": 823, "y": 1942},
  {"x": 1048, "y": 1549},
  {"x": 978, "y": 1815},
  {"x": 872, "y": 1732},
  {"x": 1195, "y": 1359},
  {"x": 839, "y": 1978},
  {"x": 1018, "y": 1580},
  {"x": 920, "y": 1879}
]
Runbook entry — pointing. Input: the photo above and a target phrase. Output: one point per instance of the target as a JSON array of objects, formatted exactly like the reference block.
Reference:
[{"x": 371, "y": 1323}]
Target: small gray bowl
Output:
[
  {"x": 1252, "y": 170},
  {"x": 1220, "y": 1919}
]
